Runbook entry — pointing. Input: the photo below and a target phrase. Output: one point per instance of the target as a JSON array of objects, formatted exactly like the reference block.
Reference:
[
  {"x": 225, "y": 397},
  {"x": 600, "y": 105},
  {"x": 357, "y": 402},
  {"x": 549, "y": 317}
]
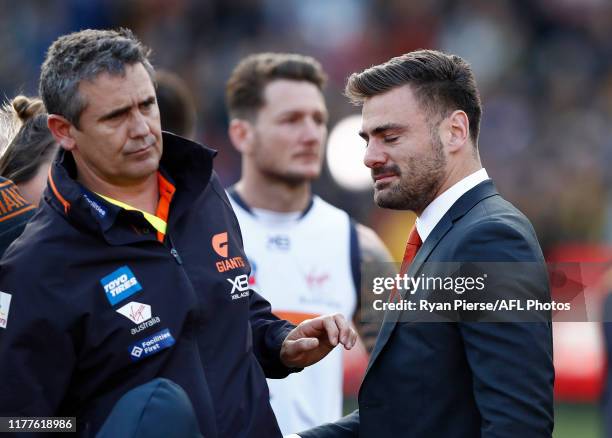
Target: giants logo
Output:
[{"x": 219, "y": 244}]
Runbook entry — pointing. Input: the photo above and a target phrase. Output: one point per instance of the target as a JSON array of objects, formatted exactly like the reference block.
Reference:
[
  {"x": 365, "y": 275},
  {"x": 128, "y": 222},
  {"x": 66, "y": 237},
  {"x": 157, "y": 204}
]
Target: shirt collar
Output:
[{"x": 439, "y": 206}]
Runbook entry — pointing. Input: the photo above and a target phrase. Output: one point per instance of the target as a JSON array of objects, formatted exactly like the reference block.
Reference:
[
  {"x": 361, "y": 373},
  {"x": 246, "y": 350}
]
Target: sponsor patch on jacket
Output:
[
  {"x": 95, "y": 206},
  {"x": 240, "y": 286},
  {"x": 120, "y": 284},
  {"x": 5, "y": 306},
  {"x": 151, "y": 345},
  {"x": 136, "y": 312},
  {"x": 140, "y": 314}
]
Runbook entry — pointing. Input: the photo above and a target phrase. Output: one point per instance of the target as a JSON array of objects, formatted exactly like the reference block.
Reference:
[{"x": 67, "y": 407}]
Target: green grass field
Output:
[
  {"x": 571, "y": 420},
  {"x": 577, "y": 421}
]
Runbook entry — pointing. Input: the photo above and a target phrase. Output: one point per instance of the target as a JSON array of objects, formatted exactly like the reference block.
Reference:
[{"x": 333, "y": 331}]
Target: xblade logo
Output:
[
  {"x": 239, "y": 284},
  {"x": 136, "y": 312},
  {"x": 219, "y": 244}
]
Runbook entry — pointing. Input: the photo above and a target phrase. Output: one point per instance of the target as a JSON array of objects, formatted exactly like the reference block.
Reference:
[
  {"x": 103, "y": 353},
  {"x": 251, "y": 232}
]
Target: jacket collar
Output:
[{"x": 188, "y": 165}]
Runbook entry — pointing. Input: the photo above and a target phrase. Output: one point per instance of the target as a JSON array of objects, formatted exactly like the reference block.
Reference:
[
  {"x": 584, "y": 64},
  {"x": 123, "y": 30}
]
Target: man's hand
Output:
[{"x": 313, "y": 339}]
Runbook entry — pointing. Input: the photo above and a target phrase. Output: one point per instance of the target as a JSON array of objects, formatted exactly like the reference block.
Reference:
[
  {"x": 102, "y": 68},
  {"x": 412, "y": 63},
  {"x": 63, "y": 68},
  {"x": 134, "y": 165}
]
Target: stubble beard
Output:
[{"x": 418, "y": 184}]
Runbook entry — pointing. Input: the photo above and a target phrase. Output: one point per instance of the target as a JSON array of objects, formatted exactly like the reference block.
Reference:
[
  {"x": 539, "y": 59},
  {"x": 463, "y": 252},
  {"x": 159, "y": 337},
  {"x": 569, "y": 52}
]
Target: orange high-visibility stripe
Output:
[{"x": 57, "y": 194}]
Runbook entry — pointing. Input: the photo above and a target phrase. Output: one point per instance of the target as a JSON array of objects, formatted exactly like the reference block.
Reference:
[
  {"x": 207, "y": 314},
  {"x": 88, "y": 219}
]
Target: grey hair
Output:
[{"x": 82, "y": 56}]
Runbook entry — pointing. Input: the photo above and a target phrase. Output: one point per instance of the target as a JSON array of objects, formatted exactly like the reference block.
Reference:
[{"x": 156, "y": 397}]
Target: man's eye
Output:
[
  {"x": 292, "y": 119},
  {"x": 390, "y": 139}
]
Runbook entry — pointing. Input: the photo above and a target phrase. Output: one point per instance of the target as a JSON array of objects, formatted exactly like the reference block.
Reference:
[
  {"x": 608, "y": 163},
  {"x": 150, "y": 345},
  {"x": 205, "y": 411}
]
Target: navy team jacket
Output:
[{"x": 93, "y": 305}]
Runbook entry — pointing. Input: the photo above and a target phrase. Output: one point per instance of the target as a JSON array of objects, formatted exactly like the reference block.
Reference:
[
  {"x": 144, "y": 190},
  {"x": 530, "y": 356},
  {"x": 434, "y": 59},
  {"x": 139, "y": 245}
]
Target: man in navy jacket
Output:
[
  {"x": 133, "y": 267},
  {"x": 462, "y": 372}
]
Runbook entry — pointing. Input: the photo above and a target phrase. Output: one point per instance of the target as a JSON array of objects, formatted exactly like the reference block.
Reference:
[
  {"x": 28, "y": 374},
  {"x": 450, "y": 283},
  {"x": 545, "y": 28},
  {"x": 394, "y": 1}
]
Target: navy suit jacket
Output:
[{"x": 463, "y": 379}]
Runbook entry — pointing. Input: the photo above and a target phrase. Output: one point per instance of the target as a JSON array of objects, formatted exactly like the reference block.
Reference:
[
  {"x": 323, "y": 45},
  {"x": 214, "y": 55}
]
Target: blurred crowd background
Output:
[{"x": 544, "y": 69}]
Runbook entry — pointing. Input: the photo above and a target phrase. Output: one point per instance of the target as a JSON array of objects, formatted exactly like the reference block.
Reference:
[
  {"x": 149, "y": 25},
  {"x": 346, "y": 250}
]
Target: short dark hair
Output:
[
  {"x": 177, "y": 108},
  {"x": 83, "y": 56},
  {"x": 244, "y": 89},
  {"x": 442, "y": 83},
  {"x": 32, "y": 146}
]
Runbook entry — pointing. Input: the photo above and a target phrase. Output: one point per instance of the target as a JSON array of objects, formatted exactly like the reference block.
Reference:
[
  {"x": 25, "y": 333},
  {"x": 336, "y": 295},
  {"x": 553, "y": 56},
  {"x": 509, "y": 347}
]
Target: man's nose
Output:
[
  {"x": 138, "y": 125},
  {"x": 374, "y": 155},
  {"x": 312, "y": 132}
]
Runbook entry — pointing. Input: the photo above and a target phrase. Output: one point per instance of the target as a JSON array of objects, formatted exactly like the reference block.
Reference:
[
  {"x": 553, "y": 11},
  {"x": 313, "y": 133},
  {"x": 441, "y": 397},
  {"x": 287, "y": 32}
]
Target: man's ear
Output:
[
  {"x": 60, "y": 129},
  {"x": 241, "y": 133},
  {"x": 457, "y": 131}
]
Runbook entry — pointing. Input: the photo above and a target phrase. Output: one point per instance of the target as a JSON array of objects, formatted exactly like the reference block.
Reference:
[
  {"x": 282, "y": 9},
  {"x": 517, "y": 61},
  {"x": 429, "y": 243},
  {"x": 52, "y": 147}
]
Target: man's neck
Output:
[
  {"x": 274, "y": 195},
  {"x": 454, "y": 175},
  {"x": 143, "y": 195}
]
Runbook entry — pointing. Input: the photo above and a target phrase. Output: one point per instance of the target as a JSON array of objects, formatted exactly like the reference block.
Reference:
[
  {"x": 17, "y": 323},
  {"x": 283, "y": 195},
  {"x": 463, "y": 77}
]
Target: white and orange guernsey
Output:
[{"x": 304, "y": 264}]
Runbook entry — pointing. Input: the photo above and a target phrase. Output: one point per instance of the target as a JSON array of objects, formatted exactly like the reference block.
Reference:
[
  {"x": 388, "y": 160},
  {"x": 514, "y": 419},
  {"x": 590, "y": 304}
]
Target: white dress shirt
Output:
[{"x": 439, "y": 206}]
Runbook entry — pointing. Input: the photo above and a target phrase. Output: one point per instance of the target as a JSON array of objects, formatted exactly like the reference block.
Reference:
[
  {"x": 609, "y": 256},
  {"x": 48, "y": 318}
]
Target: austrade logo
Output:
[
  {"x": 120, "y": 285},
  {"x": 151, "y": 345}
]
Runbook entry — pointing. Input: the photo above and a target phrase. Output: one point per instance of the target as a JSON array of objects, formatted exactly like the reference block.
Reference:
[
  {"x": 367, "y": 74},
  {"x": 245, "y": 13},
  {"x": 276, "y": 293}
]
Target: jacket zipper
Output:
[{"x": 174, "y": 252}]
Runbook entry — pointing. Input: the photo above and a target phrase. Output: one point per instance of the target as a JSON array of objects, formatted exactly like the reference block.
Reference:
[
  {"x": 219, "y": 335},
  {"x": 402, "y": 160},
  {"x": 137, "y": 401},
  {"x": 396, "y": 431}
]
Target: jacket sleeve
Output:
[
  {"x": 269, "y": 332},
  {"x": 37, "y": 355},
  {"x": 511, "y": 361},
  {"x": 346, "y": 427}
]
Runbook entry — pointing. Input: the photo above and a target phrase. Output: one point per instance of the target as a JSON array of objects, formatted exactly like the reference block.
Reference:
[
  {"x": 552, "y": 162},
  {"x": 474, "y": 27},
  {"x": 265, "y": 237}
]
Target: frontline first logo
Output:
[
  {"x": 219, "y": 244},
  {"x": 120, "y": 284}
]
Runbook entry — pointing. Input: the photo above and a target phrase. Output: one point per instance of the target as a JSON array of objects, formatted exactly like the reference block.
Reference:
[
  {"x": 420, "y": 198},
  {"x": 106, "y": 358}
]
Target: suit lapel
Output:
[
  {"x": 465, "y": 203},
  {"x": 391, "y": 317}
]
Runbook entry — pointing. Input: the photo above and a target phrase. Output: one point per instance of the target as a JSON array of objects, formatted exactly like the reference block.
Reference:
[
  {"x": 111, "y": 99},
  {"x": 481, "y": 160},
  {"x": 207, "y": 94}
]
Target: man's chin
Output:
[
  {"x": 303, "y": 177},
  {"x": 384, "y": 201},
  {"x": 390, "y": 200}
]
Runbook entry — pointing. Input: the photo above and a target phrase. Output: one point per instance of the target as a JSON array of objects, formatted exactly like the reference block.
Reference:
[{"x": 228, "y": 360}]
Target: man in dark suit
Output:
[{"x": 463, "y": 376}]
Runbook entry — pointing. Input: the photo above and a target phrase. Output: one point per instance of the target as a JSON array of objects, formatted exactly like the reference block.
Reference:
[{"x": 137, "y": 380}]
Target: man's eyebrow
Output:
[
  {"x": 379, "y": 130},
  {"x": 298, "y": 111},
  {"x": 115, "y": 113},
  {"x": 124, "y": 109}
]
